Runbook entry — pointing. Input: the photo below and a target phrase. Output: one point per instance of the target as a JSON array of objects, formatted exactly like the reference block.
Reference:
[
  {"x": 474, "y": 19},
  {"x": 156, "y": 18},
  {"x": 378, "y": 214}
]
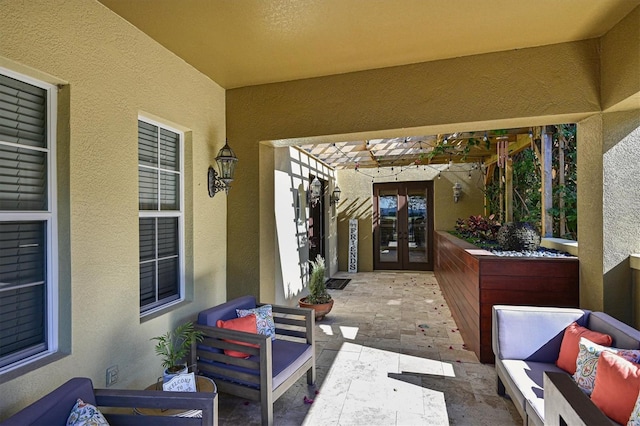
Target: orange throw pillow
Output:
[
  {"x": 247, "y": 324},
  {"x": 569, "y": 348},
  {"x": 616, "y": 387}
]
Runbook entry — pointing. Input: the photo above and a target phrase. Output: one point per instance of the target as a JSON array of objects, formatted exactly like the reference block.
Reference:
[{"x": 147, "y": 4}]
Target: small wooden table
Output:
[{"x": 203, "y": 384}]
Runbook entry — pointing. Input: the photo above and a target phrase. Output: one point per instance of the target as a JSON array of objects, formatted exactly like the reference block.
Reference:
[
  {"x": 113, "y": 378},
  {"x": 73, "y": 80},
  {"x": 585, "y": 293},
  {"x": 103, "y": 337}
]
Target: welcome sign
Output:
[{"x": 181, "y": 383}]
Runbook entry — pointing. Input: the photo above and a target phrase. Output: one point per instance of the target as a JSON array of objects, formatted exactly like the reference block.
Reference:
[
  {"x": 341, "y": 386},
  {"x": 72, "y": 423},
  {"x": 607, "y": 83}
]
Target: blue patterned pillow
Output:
[
  {"x": 84, "y": 414},
  {"x": 587, "y": 361},
  {"x": 264, "y": 319}
]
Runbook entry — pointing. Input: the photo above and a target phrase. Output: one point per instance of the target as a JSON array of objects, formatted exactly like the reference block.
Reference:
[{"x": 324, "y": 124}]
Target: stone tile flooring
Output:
[{"x": 389, "y": 353}]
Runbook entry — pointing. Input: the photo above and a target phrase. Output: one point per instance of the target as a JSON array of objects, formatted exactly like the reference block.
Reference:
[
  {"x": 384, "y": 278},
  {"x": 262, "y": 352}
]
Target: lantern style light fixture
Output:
[
  {"x": 457, "y": 191},
  {"x": 226, "y": 160},
  {"x": 315, "y": 189},
  {"x": 335, "y": 197}
]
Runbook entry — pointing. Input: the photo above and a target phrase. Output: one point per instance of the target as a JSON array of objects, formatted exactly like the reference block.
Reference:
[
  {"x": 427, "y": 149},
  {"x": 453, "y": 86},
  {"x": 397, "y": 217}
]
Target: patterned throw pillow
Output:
[
  {"x": 84, "y": 414},
  {"x": 587, "y": 361},
  {"x": 634, "y": 420},
  {"x": 264, "y": 319}
]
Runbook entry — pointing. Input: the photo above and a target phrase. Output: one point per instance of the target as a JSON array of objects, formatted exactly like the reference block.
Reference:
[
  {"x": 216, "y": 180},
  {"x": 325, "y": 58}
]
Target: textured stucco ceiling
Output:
[{"x": 246, "y": 42}]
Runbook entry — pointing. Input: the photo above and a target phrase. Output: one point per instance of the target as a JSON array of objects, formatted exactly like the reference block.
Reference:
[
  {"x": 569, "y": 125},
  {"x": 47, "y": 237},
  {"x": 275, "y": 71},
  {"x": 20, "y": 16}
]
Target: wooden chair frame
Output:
[{"x": 296, "y": 324}]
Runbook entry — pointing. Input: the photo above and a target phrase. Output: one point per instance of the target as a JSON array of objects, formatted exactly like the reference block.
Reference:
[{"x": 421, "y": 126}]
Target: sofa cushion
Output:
[
  {"x": 226, "y": 311},
  {"x": 246, "y": 324},
  {"x": 264, "y": 319},
  {"x": 617, "y": 386},
  {"x": 570, "y": 341},
  {"x": 586, "y": 364},
  {"x": 515, "y": 336},
  {"x": 527, "y": 382},
  {"x": 287, "y": 357}
]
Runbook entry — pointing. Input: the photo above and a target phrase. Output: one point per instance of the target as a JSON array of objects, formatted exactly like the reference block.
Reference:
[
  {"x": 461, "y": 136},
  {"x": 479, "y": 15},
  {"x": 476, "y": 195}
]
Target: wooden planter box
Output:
[{"x": 473, "y": 280}]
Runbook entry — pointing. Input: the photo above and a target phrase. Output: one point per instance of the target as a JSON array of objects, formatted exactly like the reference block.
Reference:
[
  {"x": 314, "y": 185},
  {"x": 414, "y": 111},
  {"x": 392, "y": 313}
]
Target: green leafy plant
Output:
[
  {"x": 478, "y": 228},
  {"x": 317, "y": 289},
  {"x": 173, "y": 346}
]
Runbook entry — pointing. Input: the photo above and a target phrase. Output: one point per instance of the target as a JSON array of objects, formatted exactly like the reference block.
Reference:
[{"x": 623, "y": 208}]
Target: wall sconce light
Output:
[
  {"x": 457, "y": 191},
  {"x": 315, "y": 189},
  {"x": 226, "y": 160},
  {"x": 335, "y": 197}
]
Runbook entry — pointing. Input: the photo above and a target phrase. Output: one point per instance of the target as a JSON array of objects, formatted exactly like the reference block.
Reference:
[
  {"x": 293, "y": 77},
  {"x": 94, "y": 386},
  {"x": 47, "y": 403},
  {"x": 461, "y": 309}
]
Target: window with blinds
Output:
[
  {"x": 27, "y": 219},
  {"x": 160, "y": 220}
]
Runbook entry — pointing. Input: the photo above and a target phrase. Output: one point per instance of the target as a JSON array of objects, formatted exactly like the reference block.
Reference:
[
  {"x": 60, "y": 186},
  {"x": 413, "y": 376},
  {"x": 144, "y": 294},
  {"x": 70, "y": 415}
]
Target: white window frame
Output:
[
  {"x": 50, "y": 217},
  {"x": 167, "y": 213}
]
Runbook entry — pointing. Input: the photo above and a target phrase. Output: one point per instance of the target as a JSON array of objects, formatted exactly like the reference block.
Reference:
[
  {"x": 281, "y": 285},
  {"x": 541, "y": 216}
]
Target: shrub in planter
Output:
[{"x": 478, "y": 228}]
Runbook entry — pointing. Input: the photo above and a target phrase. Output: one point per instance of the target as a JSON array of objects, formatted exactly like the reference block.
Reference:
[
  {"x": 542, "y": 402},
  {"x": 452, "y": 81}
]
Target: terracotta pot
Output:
[{"x": 321, "y": 309}]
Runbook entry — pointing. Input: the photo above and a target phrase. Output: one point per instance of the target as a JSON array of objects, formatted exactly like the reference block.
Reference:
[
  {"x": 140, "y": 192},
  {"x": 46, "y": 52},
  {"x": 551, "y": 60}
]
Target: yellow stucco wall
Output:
[
  {"x": 497, "y": 90},
  {"x": 620, "y": 62},
  {"x": 112, "y": 73}
]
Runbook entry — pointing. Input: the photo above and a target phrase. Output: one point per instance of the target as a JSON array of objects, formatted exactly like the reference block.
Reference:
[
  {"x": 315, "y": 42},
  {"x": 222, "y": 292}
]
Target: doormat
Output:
[{"x": 337, "y": 283}]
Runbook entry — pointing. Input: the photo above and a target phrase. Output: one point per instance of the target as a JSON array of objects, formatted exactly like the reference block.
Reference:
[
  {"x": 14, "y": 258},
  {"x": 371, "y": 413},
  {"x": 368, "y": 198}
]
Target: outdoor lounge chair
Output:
[{"x": 272, "y": 366}]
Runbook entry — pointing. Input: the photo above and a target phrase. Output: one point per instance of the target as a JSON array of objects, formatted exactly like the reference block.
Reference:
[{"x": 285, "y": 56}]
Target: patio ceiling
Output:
[
  {"x": 247, "y": 42},
  {"x": 417, "y": 150}
]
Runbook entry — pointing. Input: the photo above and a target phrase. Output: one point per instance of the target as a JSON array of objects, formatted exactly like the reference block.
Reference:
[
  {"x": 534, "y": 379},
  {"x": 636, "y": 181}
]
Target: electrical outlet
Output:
[{"x": 112, "y": 375}]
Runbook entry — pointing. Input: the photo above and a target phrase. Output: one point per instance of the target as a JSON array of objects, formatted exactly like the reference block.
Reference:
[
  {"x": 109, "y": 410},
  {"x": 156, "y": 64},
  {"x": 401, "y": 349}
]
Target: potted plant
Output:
[
  {"x": 318, "y": 299},
  {"x": 173, "y": 347}
]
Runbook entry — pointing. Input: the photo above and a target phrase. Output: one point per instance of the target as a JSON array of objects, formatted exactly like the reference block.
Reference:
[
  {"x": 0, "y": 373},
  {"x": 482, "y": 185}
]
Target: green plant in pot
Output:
[
  {"x": 173, "y": 347},
  {"x": 319, "y": 298}
]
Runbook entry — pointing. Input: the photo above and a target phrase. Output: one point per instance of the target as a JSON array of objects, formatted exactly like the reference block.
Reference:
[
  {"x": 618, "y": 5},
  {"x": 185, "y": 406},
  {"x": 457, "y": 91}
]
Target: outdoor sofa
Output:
[{"x": 526, "y": 343}]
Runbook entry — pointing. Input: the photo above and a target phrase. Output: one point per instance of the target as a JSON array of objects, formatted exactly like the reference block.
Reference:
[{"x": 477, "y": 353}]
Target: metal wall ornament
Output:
[
  {"x": 227, "y": 161},
  {"x": 315, "y": 190},
  {"x": 335, "y": 196},
  {"x": 457, "y": 191}
]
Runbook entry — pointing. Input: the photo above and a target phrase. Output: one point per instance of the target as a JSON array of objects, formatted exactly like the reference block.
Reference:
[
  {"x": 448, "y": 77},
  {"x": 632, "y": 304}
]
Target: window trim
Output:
[
  {"x": 50, "y": 216},
  {"x": 158, "y": 213}
]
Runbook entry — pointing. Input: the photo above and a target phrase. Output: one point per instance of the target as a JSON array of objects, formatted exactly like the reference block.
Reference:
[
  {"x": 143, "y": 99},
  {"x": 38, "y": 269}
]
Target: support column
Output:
[
  {"x": 508, "y": 190},
  {"x": 547, "y": 183},
  {"x": 590, "y": 221}
]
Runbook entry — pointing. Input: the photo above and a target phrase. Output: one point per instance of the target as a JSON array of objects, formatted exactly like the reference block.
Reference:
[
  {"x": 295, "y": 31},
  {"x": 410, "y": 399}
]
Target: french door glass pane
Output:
[
  {"x": 417, "y": 209},
  {"x": 388, "y": 213}
]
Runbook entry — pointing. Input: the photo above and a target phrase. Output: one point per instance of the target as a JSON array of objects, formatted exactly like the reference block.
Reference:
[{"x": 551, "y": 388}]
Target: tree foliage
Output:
[{"x": 527, "y": 185}]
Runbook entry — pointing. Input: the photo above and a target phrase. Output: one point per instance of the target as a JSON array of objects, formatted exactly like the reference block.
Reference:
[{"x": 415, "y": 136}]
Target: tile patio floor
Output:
[{"x": 389, "y": 353}]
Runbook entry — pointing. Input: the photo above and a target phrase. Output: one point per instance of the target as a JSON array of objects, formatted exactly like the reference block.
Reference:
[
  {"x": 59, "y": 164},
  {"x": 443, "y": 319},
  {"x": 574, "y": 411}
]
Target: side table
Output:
[{"x": 203, "y": 384}]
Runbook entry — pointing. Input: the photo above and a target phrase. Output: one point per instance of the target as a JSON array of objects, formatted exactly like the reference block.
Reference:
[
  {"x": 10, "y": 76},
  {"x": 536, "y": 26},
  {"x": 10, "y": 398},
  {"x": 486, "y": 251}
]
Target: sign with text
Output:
[{"x": 181, "y": 383}]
